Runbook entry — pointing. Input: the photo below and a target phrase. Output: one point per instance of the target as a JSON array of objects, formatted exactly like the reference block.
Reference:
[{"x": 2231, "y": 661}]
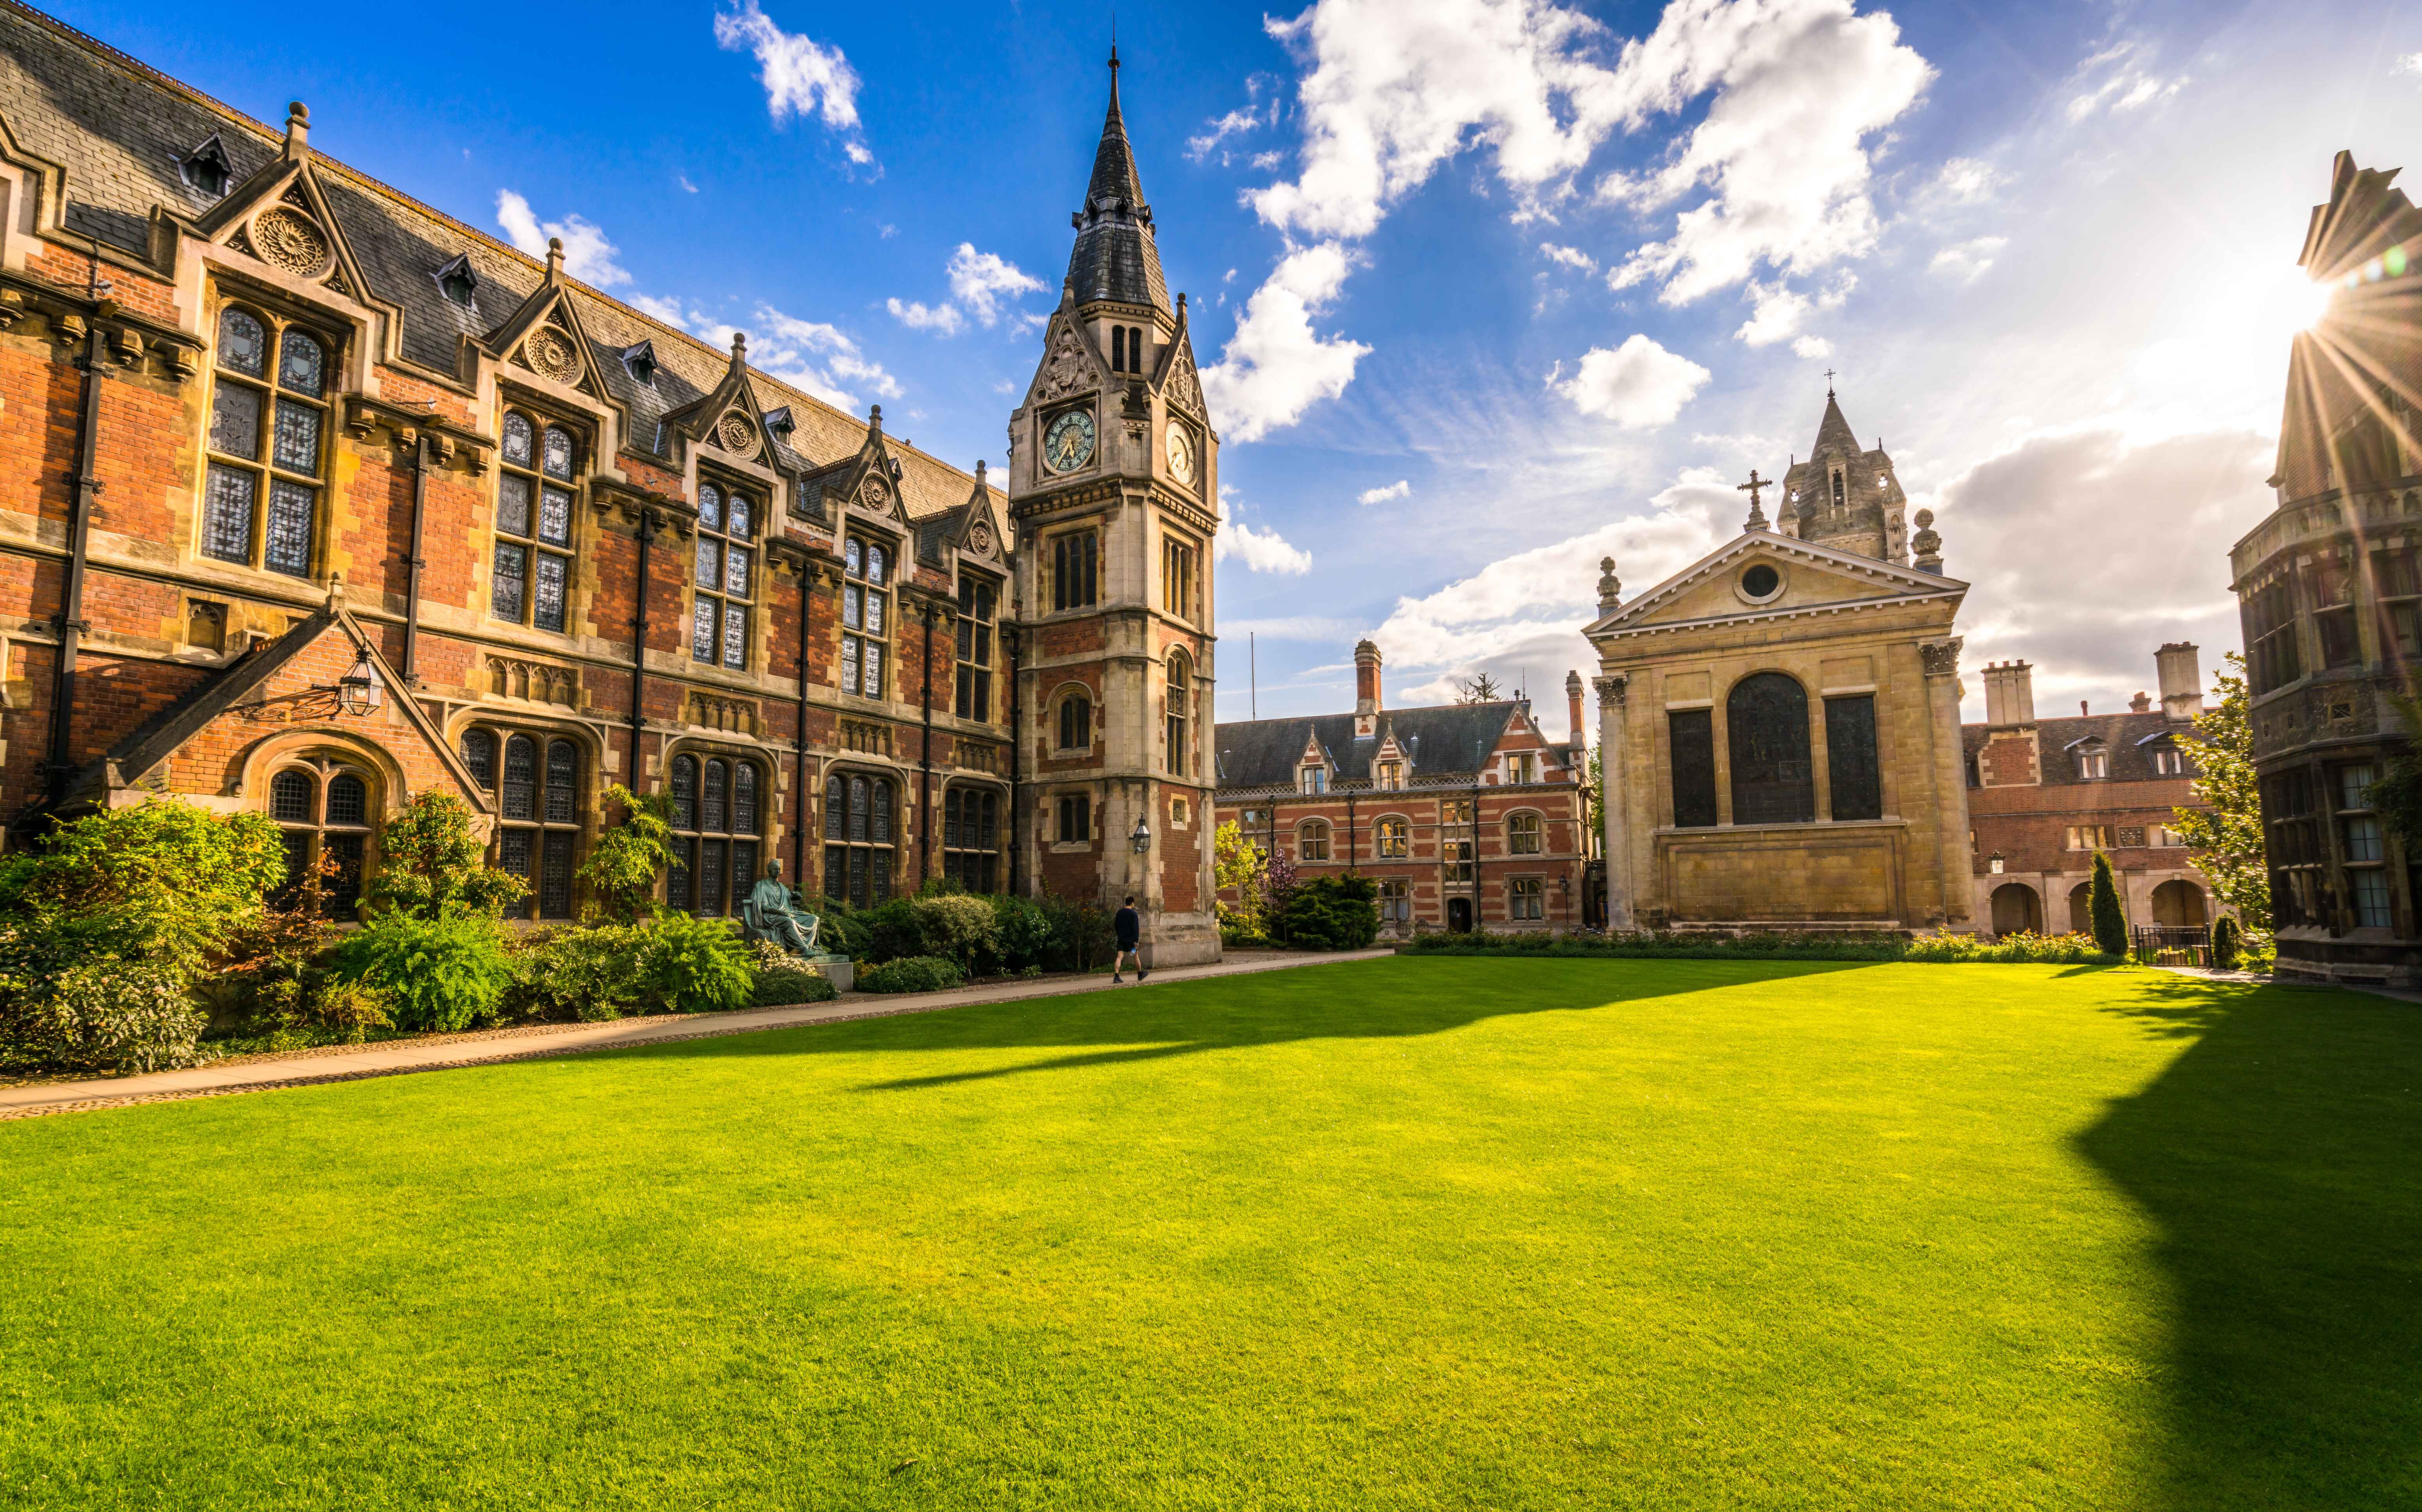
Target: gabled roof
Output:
[
  {"x": 1442, "y": 741},
  {"x": 2130, "y": 739},
  {"x": 1902, "y": 583}
]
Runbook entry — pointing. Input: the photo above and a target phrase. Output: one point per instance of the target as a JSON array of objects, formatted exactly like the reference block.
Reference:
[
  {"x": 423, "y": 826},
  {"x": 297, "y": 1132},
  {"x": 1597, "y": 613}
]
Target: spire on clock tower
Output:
[{"x": 1114, "y": 259}]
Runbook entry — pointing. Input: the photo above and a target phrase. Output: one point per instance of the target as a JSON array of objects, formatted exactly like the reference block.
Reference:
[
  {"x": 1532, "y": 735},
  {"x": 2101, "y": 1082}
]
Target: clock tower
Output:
[{"x": 1113, "y": 485}]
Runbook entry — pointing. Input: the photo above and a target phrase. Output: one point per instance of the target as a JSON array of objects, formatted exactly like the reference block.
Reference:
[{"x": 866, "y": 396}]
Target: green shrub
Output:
[
  {"x": 431, "y": 862},
  {"x": 162, "y": 882},
  {"x": 593, "y": 973},
  {"x": 696, "y": 965},
  {"x": 2227, "y": 942},
  {"x": 2110, "y": 920},
  {"x": 1080, "y": 935},
  {"x": 440, "y": 974},
  {"x": 912, "y": 973},
  {"x": 1021, "y": 934},
  {"x": 785, "y": 985},
  {"x": 844, "y": 931},
  {"x": 1328, "y": 913},
  {"x": 623, "y": 864},
  {"x": 892, "y": 929},
  {"x": 107, "y": 1015},
  {"x": 957, "y": 927},
  {"x": 1781, "y": 945}
]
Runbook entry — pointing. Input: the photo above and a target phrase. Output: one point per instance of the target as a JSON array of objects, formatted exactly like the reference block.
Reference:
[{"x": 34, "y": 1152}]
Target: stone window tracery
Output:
[
  {"x": 971, "y": 837},
  {"x": 724, "y": 578},
  {"x": 858, "y": 844},
  {"x": 1075, "y": 721},
  {"x": 717, "y": 827},
  {"x": 323, "y": 811},
  {"x": 537, "y": 780},
  {"x": 1179, "y": 733},
  {"x": 975, "y": 643},
  {"x": 865, "y": 615},
  {"x": 267, "y": 443},
  {"x": 537, "y": 480}
]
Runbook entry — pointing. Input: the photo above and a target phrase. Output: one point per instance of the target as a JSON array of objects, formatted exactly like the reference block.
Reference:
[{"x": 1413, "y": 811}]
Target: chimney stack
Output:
[
  {"x": 2009, "y": 693},
  {"x": 2140, "y": 704},
  {"x": 1573, "y": 707},
  {"x": 2179, "y": 667},
  {"x": 1366, "y": 679}
]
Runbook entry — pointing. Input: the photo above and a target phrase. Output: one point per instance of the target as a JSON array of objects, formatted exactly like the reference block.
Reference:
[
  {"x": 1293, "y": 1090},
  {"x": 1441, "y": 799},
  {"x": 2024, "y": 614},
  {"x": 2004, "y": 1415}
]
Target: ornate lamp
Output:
[
  {"x": 359, "y": 692},
  {"x": 1142, "y": 836},
  {"x": 1994, "y": 863}
]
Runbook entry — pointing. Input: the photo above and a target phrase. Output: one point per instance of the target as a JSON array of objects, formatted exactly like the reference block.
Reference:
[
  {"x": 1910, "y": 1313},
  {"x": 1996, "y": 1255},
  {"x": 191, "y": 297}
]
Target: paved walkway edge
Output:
[{"x": 392, "y": 1058}]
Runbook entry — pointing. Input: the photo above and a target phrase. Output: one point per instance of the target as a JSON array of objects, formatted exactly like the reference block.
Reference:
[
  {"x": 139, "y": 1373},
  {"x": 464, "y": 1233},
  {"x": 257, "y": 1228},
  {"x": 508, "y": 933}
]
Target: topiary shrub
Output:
[
  {"x": 439, "y": 976},
  {"x": 789, "y": 984},
  {"x": 2227, "y": 942},
  {"x": 107, "y": 1015},
  {"x": 957, "y": 927},
  {"x": 696, "y": 965},
  {"x": 2110, "y": 920},
  {"x": 912, "y": 973},
  {"x": 1330, "y": 913}
]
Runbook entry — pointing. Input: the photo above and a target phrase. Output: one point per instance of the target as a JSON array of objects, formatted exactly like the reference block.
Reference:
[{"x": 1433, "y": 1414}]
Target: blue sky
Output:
[{"x": 1564, "y": 272}]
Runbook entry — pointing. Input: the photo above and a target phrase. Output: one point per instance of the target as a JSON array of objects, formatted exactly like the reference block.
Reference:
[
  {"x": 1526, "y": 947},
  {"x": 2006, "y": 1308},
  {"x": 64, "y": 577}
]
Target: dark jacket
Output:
[{"x": 1129, "y": 924}]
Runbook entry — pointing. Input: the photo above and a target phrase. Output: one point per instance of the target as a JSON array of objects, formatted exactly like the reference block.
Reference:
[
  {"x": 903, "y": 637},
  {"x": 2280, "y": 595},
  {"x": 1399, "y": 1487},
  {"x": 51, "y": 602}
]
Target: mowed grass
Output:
[{"x": 1454, "y": 1233}]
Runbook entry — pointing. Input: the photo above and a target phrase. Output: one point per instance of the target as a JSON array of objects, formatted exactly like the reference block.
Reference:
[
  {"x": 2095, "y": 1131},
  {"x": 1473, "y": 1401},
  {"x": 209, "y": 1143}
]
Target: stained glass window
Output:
[
  {"x": 1766, "y": 721},
  {"x": 250, "y": 414},
  {"x": 533, "y": 577}
]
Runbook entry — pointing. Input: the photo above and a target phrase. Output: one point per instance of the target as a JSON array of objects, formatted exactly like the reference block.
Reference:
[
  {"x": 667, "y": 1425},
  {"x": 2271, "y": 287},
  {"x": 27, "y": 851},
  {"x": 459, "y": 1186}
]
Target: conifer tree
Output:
[{"x": 2109, "y": 922}]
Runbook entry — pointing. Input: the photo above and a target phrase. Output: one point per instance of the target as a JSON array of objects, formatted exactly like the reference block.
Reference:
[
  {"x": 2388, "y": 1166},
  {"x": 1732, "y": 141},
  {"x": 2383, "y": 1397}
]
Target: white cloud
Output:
[
  {"x": 980, "y": 280},
  {"x": 1968, "y": 260},
  {"x": 1291, "y": 627},
  {"x": 943, "y": 317},
  {"x": 801, "y": 77},
  {"x": 687, "y": 187},
  {"x": 1778, "y": 314},
  {"x": 1571, "y": 256},
  {"x": 1638, "y": 385},
  {"x": 1812, "y": 346},
  {"x": 819, "y": 358},
  {"x": 1967, "y": 182},
  {"x": 2408, "y": 63},
  {"x": 1276, "y": 366},
  {"x": 1261, "y": 551},
  {"x": 1799, "y": 86},
  {"x": 1401, "y": 488},
  {"x": 2119, "y": 80},
  {"x": 668, "y": 311},
  {"x": 587, "y": 255},
  {"x": 1233, "y": 123}
]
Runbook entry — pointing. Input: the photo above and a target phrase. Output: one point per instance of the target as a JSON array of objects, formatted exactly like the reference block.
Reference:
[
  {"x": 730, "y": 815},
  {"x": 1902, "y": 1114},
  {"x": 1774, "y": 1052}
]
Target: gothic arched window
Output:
[
  {"x": 268, "y": 433},
  {"x": 1766, "y": 721},
  {"x": 971, "y": 837},
  {"x": 1076, "y": 722},
  {"x": 330, "y": 819},
  {"x": 857, "y": 839},
  {"x": 716, "y": 844},
  {"x": 539, "y": 805}
]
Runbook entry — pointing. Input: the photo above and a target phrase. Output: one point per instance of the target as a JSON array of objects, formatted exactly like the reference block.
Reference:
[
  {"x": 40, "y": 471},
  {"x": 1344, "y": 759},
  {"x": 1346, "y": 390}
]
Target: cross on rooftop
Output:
[{"x": 1756, "y": 517}]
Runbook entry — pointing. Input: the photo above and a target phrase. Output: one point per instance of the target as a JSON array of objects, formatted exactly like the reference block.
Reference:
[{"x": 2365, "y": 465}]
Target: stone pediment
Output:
[{"x": 1806, "y": 578}]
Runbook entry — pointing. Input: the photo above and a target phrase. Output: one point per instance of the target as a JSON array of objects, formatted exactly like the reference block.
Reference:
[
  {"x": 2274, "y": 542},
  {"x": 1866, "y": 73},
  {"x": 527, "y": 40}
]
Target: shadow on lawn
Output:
[
  {"x": 1262, "y": 1008},
  {"x": 2281, "y": 1153}
]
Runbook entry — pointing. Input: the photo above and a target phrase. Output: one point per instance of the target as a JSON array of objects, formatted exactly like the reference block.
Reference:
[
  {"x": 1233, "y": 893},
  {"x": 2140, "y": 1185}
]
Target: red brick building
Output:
[
  {"x": 2045, "y": 794},
  {"x": 313, "y": 498},
  {"x": 1464, "y": 813}
]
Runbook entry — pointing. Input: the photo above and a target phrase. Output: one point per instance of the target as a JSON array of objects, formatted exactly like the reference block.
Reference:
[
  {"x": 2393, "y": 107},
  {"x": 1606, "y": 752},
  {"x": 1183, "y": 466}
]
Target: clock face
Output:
[
  {"x": 1068, "y": 445},
  {"x": 1181, "y": 453}
]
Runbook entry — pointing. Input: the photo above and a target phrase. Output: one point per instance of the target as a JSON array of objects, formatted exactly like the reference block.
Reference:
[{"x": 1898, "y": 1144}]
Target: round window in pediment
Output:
[{"x": 1760, "y": 582}]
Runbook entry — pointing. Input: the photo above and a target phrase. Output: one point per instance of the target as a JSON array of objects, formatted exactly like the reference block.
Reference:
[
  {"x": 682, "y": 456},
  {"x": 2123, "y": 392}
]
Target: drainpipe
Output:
[
  {"x": 802, "y": 806},
  {"x": 69, "y": 620},
  {"x": 1349, "y": 831},
  {"x": 649, "y": 524},
  {"x": 1475, "y": 850},
  {"x": 925, "y": 778},
  {"x": 412, "y": 562},
  {"x": 1016, "y": 756}
]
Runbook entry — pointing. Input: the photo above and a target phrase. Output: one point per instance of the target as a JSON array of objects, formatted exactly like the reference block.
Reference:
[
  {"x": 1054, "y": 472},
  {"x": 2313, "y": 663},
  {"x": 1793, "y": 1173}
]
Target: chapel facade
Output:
[
  {"x": 1780, "y": 720},
  {"x": 313, "y": 499}
]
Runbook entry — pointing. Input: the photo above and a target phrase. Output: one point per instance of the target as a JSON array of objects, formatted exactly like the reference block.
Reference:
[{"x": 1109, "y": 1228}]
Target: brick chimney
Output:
[
  {"x": 1366, "y": 689},
  {"x": 2179, "y": 667},
  {"x": 2009, "y": 693},
  {"x": 2140, "y": 704},
  {"x": 1573, "y": 705}
]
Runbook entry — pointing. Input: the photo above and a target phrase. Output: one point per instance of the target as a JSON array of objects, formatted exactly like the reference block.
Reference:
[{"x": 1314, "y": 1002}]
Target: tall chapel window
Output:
[
  {"x": 267, "y": 443},
  {"x": 324, "y": 813},
  {"x": 1177, "y": 585},
  {"x": 975, "y": 651},
  {"x": 716, "y": 805},
  {"x": 536, "y": 784},
  {"x": 858, "y": 846},
  {"x": 971, "y": 837},
  {"x": 1852, "y": 774},
  {"x": 1691, "y": 737},
  {"x": 1075, "y": 570},
  {"x": 1181, "y": 699},
  {"x": 1767, "y": 722},
  {"x": 725, "y": 579},
  {"x": 865, "y": 617},
  {"x": 534, "y": 484}
]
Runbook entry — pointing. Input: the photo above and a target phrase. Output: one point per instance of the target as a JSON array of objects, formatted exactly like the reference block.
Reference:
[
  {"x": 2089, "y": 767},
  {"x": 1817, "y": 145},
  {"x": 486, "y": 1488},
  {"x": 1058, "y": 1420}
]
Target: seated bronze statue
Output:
[{"x": 772, "y": 912}]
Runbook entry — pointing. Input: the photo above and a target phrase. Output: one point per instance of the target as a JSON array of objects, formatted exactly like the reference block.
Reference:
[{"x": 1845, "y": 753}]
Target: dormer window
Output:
[
  {"x": 1391, "y": 774},
  {"x": 458, "y": 283},
  {"x": 2092, "y": 762},
  {"x": 1313, "y": 780},
  {"x": 205, "y": 170},
  {"x": 641, "y": 362},
  {"x": 779, "y": 423}
]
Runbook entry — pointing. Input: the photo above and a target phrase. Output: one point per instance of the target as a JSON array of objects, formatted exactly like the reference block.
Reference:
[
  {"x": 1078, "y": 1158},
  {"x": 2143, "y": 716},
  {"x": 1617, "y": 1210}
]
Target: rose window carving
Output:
[
  {"x": 284, "y": 239},
  {"x": 550, "y": 355},
  {"x": 736, "y": 434}
]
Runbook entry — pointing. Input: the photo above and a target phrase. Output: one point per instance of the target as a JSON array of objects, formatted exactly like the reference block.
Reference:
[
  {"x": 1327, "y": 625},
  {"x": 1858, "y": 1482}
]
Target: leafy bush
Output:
[
  {"x": 163, "y": 882},
  {"x": 912, "y": 973},
  {"x": 2110, "y": 922},
  {"x": 1239, "y": 933},
  {"x": 844, "y": 930},
  {"x": 696, "y": 965},
  {"x": 593, "y": 973},
  {"x": 957, "y": 927},
  {"x": 1810, "y": 945},
  {"x": 892, "y": 929},
  {"x": 2228, "y": 941},
  {"x": 1327, "y": 913},
  {"x": 430, "y": 864},
  {"x": 1021, "y": 934},
  {"x": 1080, "y": 935},
  {"x": 440, "y": 974},
  {"x": 623, "y": 864},
  {"x": 105, "y": 1014},
  {"x": 788, "y": 984}
]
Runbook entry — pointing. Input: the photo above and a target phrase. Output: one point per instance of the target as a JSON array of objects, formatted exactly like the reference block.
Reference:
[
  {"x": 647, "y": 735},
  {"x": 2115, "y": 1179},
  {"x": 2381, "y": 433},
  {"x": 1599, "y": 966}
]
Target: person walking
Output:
[{"x": 1129, "y": 925}]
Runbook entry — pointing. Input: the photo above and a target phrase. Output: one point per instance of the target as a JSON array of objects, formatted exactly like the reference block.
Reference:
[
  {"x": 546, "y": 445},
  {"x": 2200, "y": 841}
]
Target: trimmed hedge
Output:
[
  {"x": 2054, "y": 950},
  {"x": 912, "y": 973}
]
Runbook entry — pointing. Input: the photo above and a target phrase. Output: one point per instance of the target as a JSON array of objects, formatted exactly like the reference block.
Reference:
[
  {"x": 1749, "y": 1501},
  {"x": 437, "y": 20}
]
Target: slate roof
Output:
[
  {"x": 1114, "y": 258},
  {"x": 121, "y": 128},
  {"x": 2126, "y": 737},
  {"x": 1454, "y": 740}
]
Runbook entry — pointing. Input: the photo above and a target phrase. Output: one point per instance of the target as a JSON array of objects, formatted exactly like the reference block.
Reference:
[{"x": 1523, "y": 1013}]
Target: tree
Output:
[
  {"x": 1479, "y": 689},
  {"x": 432, "y": 864},
  {"x": 1240, "y": 864},
  {"x": 164, "y": 882},
  {"x": 2110, "y": 922},
  {"x": 2226, "y": 837},
  {"x": 621, "y": 867}
]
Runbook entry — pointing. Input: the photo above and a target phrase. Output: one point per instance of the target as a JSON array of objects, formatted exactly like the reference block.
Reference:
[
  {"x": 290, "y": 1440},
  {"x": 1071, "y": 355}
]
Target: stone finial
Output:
[
  {"x": 739, "y": 346},
  {"x": 553, "y": 259},
  {"x": 875, "y": 420},
  {"x": 298, "y": 130},
  {"x": 1609, "y": 588},
  {"x": 1926, "y": 547},
  {"x": 979, "y": 472},
  {"x": 335, "y": 591}
]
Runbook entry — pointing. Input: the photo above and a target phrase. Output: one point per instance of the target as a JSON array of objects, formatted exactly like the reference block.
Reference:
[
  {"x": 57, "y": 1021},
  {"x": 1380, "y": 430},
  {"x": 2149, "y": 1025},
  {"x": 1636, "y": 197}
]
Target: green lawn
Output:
[{"x": 1464, "y": 1233}]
